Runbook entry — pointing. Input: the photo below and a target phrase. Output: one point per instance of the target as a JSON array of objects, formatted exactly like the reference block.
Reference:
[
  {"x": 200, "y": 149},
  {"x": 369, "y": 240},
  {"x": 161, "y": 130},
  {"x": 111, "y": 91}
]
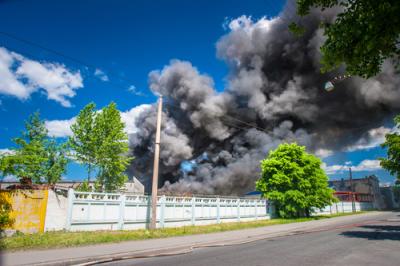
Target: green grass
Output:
[{"x": 69, "y": 239}]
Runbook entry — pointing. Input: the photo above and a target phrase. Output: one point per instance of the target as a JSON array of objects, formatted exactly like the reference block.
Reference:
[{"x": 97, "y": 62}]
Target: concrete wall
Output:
[
  {"x": 107, "y": 211},
  {"x": 46, "y": 210},
  {"x": 29, "y": 209},
  {"x": 343, "y": 207},
  {"x": 56, "y": 214}
]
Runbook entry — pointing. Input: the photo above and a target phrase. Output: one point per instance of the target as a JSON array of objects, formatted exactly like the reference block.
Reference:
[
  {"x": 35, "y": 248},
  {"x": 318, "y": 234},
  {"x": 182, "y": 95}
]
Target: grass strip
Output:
[{"x": 59, "y": 239}]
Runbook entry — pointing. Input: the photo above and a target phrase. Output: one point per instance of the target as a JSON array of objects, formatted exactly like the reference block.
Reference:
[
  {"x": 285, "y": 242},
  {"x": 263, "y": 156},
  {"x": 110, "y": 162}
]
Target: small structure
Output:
[{"x": 133, "y": 186}]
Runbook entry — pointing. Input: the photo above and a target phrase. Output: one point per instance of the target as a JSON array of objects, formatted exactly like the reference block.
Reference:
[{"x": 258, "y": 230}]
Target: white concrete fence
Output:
[
  {"x": 82, "y": 211},
  {"x": 107, "y": 211},
  {"x": 343, "y": 207}
]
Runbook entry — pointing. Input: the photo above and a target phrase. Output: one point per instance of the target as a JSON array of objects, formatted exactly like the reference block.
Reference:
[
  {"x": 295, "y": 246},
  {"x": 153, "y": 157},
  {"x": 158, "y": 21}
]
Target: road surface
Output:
[
  {"x": 368, "y": 237},
  {"x": 371, "y": 241}
]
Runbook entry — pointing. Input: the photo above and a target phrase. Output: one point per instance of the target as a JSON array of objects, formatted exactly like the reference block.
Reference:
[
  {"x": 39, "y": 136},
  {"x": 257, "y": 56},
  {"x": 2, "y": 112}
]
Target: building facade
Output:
[{"x": 366, "y": 188}]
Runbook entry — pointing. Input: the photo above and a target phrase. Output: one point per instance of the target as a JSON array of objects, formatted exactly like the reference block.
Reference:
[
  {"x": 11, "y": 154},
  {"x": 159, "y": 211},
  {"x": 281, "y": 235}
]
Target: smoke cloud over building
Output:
[{"x": 276, "y": 87}]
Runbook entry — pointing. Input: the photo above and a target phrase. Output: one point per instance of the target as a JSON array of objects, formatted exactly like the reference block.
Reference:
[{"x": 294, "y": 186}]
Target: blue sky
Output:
[{"x": 125, "y": 40}]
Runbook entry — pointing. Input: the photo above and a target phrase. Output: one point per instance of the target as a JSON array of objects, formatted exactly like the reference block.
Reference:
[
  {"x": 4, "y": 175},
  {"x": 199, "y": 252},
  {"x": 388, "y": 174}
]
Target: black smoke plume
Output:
[{"x": 276, "y": 87}]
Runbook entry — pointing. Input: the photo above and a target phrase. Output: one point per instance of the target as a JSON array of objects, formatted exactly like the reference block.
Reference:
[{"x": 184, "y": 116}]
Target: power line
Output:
[
  {"x": 35, "y": 57},
  {"x": 73, "y": 59}
]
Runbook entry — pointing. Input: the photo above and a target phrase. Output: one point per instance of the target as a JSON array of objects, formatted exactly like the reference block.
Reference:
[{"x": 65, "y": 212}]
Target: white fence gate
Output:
[{"x": 108, "y": 211}]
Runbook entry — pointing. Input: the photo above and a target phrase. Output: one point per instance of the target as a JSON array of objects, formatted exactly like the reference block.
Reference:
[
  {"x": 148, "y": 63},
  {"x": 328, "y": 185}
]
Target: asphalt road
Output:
[{"x": 369, "y": 242}]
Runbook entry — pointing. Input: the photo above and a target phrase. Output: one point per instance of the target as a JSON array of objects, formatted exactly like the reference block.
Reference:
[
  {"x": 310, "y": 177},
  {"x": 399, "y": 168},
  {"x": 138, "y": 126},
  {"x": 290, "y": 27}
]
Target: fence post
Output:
[
  {"x": 162, "y": 211},
  {"x": 218, "y": 211},
  {"x": 193, "y": 210},
  {"x": 121, "y": 212},
  {"x": 71, "y": 197},
  {"x": 238, "y": 210},
  {"x": 255, "y": 208},
  {"x": 343, "y": 208}
]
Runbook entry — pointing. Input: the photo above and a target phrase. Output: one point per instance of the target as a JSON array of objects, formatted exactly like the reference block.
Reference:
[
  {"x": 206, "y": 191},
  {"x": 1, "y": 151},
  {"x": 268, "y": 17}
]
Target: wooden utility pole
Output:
[
  {"x": 353, "y": 204},
  {"x": 154, "y": 187}
]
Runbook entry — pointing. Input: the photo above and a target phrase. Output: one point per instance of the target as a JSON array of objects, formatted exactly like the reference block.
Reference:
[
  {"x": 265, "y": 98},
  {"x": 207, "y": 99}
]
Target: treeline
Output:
[{"x": 98, "y": 142}]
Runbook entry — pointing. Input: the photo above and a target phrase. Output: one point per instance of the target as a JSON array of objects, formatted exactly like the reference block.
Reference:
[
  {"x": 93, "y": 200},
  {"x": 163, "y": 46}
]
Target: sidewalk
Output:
[{"x": 172, "y": 245}]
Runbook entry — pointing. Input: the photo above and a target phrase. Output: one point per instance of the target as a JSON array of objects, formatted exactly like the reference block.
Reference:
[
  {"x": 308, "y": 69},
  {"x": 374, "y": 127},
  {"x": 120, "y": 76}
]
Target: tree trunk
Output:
[{"x": 89, "y": 172}]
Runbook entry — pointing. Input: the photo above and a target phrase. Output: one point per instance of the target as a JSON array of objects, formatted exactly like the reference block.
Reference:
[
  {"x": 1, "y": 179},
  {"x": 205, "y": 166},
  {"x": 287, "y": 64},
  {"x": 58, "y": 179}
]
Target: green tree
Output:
[
  {"x": 29, "y": 157},
  {"x": 99, "y": 142},
  {"x": 294, "y": 181},
  {"x": 36, "y": 156},
  {"x": 113, "y": 148},
  {"x": 56, "y": 163},
  {"x": 5, "y": 210},
  {"x": 84, "y": 139},
  {"x": 392, "y": 143},
  {"x": 363, "y": 35}
]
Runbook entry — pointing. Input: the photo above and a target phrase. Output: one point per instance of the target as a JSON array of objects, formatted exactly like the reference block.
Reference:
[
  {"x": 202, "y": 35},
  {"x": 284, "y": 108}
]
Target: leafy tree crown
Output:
[{"x": 294, "y": 180}]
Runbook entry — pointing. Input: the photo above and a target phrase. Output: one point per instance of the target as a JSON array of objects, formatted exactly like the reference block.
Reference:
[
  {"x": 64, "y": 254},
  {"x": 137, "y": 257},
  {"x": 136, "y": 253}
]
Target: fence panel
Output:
[
  {"x": 107, "y": 211},
  {"x": 344, "y": 207},
  {"x": 103, "y": 211}
]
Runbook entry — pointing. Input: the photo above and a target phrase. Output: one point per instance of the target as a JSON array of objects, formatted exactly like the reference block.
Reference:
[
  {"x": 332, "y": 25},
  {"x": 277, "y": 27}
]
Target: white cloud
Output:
[
  {"x": 101, "y": 75},
  {"x": 373, "y": 138},
  {"x": 20, "y": 77},
  {"x": 323, "y": 153},
  {"x": 132, "y": 89},
  {"x": 62, "y": 128},
  {"x": 59, "y": 128},
  {"x": 365, "y": 165},
  {"x": 129, "y": 117},
  {"x": 6, "y": 151},
  {"x": 9, "y": 84}
]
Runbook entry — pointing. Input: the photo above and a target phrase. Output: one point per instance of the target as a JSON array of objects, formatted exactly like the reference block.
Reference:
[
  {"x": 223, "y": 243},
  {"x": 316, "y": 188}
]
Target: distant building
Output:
[{"x": 366, "y": 189}]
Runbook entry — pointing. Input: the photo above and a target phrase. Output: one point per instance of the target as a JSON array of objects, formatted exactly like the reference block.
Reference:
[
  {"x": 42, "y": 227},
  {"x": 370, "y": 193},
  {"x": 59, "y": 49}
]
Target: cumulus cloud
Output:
[
  {"x": 101, "y": 75},
  {"x": 371, "y": 139},
  {"x": 323, "y": 153},
  {"x": 365, "y": 165},
  {"x": 20, "y": 77},
  {"x": 59, "y": 128},
  {"x": 129, "y": 117}
]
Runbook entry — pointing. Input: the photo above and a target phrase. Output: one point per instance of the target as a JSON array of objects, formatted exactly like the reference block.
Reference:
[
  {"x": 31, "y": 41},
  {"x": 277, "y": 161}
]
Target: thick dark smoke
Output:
[{"x": 275, "y": 85}]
